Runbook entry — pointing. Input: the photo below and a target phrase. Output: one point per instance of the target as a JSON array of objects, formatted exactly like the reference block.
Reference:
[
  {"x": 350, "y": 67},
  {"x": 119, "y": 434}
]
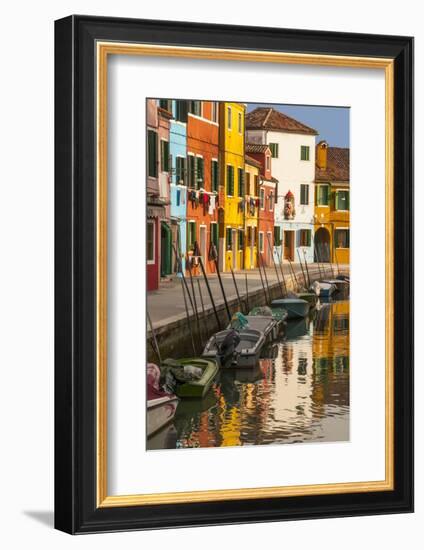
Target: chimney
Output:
[{"x": 321, "y": 157}]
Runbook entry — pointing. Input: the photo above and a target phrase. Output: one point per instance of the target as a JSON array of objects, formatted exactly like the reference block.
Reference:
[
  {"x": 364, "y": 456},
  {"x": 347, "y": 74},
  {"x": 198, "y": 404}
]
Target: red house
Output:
[
  {"x": 155, "y": 204},
  {"x": 267, "y": 198},
  {"x": 202, "y": 183}
]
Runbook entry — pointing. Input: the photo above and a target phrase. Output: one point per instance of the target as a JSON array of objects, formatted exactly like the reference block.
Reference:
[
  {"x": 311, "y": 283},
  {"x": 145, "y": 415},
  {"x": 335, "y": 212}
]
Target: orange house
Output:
[{"x": 202, "y": 183}]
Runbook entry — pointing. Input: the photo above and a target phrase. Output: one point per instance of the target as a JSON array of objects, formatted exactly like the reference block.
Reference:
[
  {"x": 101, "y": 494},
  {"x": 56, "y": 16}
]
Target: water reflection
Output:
[{"x": 298, "y": 392}]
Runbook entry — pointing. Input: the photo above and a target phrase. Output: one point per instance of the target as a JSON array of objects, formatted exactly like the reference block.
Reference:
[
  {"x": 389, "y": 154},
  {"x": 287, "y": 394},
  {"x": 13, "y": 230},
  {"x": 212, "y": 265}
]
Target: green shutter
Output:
[
  {"x": 230, "y": 180},
  {"x": 200, "y": 173},
  {"x": 152, "y": 152},
  {"x": 214, "y": 172},
  {"x": 240, "y": 182}
]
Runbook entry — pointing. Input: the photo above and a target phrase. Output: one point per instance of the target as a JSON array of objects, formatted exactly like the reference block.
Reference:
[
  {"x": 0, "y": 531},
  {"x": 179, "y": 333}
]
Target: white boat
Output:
[
  {"x": 341, "y": 285},
  {"x": 322, "y": 289},
  {"x": 160, "y": 412},
  {"x": 161, "y": 405}
]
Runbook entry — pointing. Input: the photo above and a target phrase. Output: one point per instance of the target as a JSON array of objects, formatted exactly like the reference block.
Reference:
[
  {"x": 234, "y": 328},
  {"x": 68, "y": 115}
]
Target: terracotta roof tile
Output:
[
  {"x": 252, "y": 161},
  {"x": 337, "y": 166},
  {"x": 256, "y": 148},
  {"x": 267, "y": 118}
]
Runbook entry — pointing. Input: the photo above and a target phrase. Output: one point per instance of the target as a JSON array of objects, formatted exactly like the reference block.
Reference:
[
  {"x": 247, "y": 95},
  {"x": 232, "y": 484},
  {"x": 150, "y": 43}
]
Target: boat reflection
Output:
[{"x": 298, "y": 392}]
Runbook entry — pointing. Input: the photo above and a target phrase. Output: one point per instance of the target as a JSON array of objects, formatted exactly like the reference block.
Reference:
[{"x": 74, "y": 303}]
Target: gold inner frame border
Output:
[{"x": 103, "y": 50}]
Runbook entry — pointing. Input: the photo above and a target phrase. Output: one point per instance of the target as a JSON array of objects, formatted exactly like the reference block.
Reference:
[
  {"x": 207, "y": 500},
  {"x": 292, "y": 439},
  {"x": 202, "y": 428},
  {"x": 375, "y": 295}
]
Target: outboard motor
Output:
[{"x": 227, "y": 348}]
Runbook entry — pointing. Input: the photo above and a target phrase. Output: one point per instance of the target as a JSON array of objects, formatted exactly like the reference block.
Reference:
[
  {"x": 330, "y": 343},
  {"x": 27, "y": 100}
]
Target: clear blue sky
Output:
[{"x": 332, "y": 123}]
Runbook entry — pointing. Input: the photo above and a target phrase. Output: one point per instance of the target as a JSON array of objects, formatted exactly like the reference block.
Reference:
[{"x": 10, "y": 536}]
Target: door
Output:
[
  {"x": 322, "y": 245},
  {"x": 289, "y": 245},
  {"x": 202, "y": 239},
  {"x": 252, "y": 247},
  {"x": 235, "y": 248}
]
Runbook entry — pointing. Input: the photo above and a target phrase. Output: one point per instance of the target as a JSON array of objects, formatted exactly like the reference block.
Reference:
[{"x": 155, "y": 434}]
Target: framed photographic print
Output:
[{"x": 234, "y": 274}]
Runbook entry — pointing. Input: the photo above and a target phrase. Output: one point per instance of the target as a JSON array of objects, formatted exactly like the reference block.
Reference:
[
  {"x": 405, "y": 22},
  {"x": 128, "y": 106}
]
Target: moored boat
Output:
[
  {"x": 322, "y": 289},
  {"x": 341, "y": 285},
  {"x": 189, "y": 377},
  {"x": 279, "y": 314},
  {"x": 161, "y": 405},
  {"x": 295, "y": 307},
  {"x": 230, "y": 347},
  {"x": 264, "y": 323}
]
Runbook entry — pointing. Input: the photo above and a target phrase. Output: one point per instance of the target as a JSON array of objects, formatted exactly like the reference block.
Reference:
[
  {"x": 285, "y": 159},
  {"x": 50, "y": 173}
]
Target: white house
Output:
[{"x": 293, "y": 164}]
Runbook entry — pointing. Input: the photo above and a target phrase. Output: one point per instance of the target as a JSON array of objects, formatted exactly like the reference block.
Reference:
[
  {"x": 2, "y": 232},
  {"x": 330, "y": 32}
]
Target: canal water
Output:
[{"x": 299, "y": 392}]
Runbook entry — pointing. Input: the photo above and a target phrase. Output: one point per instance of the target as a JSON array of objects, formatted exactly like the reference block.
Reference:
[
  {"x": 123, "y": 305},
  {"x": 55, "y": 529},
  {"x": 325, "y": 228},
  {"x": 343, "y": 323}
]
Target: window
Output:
[
  {"x": 240, "y": 239},
  {"x": 323, "y": 195},
  {"x": 195, "y": 107},
  {"x": 240, "y": 182},
  {"x": 165, "y": 104},
  {"x": 240, "y": 123},
  {"x": 261, "y": 242},
  {"x": 341, "y": 238},
  {"x": 229, "y": 118},
  {"x": 304, "y": 194},
  {"x": 164, "y": 155},
  {"x": 152, "y": 146},
  {"x": 178, "y": 199},
  {"x": 271, "y": 201},
  {"x": 214, "y": 175},
  {"x": 215, "y": 111},
  {"x": 150, "y": 242},
  {"x": 230, "y": 180},
  {"x": 342, "y": 200},
  {"x": 181, "y": 109},
  {"x": 262, "y": 199},
  {"x": 247, "y": 182},
  {"x": 277, "y": 235},
  {"x": 304, "y": 237},
  {"x": 269, "y": 239},
  {"x": 191, "y": 235},
  {"x": 191, "y": 170},
  {"x": 304, "y": 152},
  {"x": 268, "y": 162},
  {"x": 180, "y": 168},
  {"x": 200, "y": 172},
  {"x": 256, "y": 186},
  {"x": 274, "y": 150},
  {"x": 214, "y": 234},
  {"x": 229, "y": 238}
]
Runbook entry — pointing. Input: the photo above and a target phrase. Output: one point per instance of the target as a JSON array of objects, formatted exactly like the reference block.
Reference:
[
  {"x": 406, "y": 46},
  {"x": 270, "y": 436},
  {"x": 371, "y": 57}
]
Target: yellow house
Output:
[
  {"x": 332, "y": 217},
  {"x": 251, "y": 177},
  {"x": 231, "y": 145}
]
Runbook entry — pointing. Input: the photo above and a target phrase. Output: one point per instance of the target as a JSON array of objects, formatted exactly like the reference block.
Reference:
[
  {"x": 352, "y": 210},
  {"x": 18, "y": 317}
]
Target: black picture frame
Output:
[{"x": 75, "y": 275}]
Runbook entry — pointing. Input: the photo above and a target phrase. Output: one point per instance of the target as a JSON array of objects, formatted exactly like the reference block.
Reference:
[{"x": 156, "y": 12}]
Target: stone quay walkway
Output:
[{"x": 166, "y": 304}]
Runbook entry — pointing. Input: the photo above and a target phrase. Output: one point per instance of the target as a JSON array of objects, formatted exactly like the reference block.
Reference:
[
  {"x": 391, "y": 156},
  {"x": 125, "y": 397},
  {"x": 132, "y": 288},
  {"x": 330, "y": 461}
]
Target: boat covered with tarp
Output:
[
  {"x": 188, "y": 377},
  {"x": 322, "y": 289}
]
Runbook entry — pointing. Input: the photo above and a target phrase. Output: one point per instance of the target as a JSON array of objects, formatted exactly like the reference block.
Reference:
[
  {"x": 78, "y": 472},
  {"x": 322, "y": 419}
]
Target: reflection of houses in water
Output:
[
  {"x": 331, "y": 353},
  {"x": 293, "y": 383}
]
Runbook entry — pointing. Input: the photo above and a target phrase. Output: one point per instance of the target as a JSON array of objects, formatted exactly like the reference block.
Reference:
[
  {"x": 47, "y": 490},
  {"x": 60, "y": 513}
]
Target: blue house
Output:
[{"x": 178, "y": 156}]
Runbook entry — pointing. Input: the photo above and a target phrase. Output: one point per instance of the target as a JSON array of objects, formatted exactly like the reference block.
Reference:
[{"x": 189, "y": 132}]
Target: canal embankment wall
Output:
[{"x": 175, "y": 336}]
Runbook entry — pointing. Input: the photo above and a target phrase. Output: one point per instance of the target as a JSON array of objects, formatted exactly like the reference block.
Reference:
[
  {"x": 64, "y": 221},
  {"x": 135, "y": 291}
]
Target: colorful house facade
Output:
[
  {"x": 178, "y": 160},
  {"x": 231, "y": 143},
  {"x": 202, "y": 183},
  {"x": 267, "y": 193},
  {"x": 156, "y": 207},
  {"x": 292, "y": 146},
  {"x": 332, "y": 216},
  {"x": 166, "y": 254},
  {"x": 251, "y": 175}
]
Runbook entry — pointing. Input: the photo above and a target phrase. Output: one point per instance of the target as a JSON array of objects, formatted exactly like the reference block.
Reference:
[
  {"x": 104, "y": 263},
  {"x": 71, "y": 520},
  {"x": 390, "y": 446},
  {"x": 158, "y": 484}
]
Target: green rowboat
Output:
[{"x": 189, "y": 380}]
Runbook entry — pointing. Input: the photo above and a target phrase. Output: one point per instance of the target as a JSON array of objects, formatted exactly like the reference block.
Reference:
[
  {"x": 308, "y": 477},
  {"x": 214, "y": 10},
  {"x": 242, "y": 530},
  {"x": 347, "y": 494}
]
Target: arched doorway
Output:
[{"x": 322, "y": 245}]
